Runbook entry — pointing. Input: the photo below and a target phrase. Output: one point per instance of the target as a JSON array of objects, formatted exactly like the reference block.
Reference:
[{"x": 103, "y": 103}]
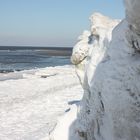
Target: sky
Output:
[{"x": 50, "y": 22}]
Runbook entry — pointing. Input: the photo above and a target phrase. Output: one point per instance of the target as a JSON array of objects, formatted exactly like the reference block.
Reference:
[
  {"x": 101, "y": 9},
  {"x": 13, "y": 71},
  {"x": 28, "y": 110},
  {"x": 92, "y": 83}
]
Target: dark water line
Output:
[{"x": 35, "y": 48}]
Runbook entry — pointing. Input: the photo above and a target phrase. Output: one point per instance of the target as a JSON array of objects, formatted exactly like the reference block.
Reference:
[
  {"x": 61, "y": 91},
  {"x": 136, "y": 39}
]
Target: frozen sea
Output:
[
  {"x": 34, "y": 93},
  {"x": 17, "y": 60}
]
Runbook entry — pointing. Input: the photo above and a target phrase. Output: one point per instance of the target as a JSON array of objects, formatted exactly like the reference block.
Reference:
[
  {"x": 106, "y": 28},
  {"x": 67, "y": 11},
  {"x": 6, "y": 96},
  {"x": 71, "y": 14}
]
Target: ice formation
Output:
[
  {"x": 97, "y": 39},
  {"x": 110, "y": 108}
]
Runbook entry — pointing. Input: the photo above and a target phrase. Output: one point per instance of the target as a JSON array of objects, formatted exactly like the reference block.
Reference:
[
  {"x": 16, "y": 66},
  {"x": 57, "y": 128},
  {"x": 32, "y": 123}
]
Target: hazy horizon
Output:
[{"x": 50, "y": 23}]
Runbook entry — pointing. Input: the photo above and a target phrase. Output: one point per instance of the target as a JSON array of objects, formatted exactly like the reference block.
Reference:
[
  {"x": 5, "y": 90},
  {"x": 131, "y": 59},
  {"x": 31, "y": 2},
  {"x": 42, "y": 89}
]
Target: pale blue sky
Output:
[{"x": 50, "y": 22}]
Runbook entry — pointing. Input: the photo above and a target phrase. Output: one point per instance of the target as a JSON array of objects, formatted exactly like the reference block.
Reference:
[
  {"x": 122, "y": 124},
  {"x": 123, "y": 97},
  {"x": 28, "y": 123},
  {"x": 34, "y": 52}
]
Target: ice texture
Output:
[
  {"x": 31, "y": 101},
  {"x": 110, "y": 108}
]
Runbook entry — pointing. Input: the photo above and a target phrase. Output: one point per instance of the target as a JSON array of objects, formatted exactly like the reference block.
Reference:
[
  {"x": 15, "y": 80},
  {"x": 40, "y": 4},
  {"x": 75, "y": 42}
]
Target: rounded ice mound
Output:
[{"x": 80, "y": 50}]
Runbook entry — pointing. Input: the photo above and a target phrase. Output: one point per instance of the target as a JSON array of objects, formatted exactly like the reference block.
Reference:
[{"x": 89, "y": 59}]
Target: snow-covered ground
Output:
[{"x": 32, "y": 101}]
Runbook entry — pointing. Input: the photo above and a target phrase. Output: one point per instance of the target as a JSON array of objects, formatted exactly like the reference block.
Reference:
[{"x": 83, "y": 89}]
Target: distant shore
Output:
[
  {"x": 34, "y": 48},
  {"x": 55, "y": 51}
]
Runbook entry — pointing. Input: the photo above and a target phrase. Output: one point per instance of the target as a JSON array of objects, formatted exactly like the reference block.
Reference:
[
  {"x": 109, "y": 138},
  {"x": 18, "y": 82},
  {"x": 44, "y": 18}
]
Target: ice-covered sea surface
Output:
[
  {"x": 32, "y": 100},
  {"x": 17, "y": 60}
]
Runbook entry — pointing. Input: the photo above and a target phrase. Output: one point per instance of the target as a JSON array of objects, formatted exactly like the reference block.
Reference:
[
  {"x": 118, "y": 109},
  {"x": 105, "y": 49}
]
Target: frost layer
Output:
[{"x": 110, "y": 107}]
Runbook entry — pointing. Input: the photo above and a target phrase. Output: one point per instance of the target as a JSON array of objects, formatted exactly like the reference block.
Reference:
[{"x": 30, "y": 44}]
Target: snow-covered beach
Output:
[
  {"x": 98, "y": 99},
  {"x": 31, "y": 101}
]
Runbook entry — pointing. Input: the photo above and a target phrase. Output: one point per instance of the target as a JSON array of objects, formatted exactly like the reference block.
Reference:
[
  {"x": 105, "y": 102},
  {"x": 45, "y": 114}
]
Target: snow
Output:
[
  {"x": 31, "y": 101},
  {"x": 65, "y": 123},
  {"x": 110, "y": 75},
  {"x": 107, "y": 64}
]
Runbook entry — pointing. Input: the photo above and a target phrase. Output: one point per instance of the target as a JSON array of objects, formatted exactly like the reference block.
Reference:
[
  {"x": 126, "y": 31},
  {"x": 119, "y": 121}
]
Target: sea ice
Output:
[{"x": 31, "y": 103}]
